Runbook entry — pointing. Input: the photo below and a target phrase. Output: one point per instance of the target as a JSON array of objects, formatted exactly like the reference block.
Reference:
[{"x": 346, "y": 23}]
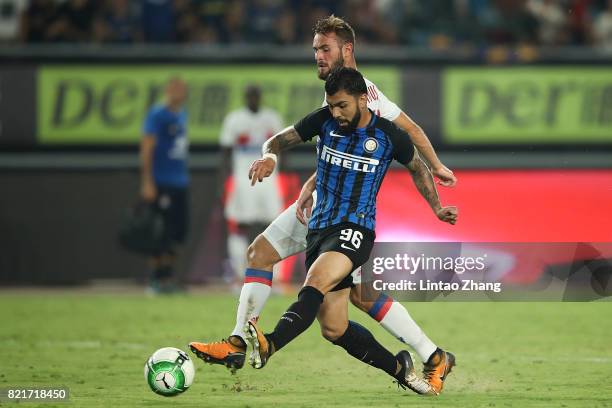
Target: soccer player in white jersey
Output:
[
  {"x": 333, "y": 45},
  {"x": 248, "y": 210}
]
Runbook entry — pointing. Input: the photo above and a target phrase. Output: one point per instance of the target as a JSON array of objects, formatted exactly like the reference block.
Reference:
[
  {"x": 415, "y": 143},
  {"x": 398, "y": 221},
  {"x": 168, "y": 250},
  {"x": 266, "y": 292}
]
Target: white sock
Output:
[
  {"x": 394, "y": 318},
  {"x": 253, "y": 296}
]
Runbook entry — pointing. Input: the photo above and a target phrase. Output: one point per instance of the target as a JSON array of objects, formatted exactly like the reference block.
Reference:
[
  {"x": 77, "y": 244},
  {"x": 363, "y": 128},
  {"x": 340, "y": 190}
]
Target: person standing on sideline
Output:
[
  {"x": 248, "y": 210},
  {"x": 165, "y": 179}
]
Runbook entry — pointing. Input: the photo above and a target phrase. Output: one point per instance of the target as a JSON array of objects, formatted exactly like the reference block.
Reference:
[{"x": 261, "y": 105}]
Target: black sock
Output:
[
  {"x": 297, "y": 318},
  {"x": 361, "y": 344}
]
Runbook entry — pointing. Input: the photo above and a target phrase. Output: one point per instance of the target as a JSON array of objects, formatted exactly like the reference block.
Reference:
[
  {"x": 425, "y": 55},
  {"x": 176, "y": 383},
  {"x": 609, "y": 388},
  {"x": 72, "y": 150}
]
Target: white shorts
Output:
[
  {"x": 254, "y": 204},
  {"x": 287, "y": 235}
]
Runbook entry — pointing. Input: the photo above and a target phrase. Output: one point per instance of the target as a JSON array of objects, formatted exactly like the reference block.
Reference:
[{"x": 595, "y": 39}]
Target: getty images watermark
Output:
[
  {"x": 489, "y": 271},
  {"x": 410, "y": 265}
]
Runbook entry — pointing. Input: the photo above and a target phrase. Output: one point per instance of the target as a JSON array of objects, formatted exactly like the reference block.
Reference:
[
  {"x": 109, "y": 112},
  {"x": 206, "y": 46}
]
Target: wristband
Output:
[{"x": 270, "y": 156}]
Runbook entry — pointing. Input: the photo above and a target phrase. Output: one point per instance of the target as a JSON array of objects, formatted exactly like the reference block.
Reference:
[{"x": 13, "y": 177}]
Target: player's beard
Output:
[
  {"x": 337, "y": 63},
  {"x": 352, "y": 125}
]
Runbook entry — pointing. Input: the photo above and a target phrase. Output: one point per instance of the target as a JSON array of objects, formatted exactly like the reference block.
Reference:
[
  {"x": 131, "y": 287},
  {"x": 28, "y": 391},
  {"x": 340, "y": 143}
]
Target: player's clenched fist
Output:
[
  {"x": 445, "y": 176},
  {"x": 260, "y": 169},
  {"x": 448, "y": 214}
]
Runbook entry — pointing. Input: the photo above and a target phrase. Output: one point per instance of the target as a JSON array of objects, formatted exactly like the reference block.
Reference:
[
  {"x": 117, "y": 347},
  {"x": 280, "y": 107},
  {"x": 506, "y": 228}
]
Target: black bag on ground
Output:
[{"x": 142, "y": 229}]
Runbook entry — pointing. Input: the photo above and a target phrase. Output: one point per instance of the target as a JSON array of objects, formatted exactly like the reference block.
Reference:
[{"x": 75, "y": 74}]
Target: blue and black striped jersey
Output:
[{"x": 351, "y": 166}]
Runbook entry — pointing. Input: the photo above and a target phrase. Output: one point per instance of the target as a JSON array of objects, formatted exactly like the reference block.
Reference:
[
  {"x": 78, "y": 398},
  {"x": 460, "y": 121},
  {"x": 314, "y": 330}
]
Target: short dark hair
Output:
[
  {"x": 347, "y": 79},
  {"x": 252, "y": 89},
  {"x": 333, "y": 24}
]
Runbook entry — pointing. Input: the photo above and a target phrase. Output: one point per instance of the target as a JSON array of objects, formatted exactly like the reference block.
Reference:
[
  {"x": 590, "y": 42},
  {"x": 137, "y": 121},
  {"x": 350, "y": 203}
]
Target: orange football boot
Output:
[
  {"x": 262, "y": 349},
  {"x": 230, "y": 353},
  {"x": 436, "y": 369}
]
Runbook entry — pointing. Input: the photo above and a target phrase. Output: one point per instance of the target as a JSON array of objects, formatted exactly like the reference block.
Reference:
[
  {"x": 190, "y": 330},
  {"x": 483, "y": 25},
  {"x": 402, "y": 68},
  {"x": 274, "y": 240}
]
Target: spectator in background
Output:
[
  {"x": 308, "y": 12},
  {"x": 602, "y": 28},
  {"x": 308, "y": 18},
  {"x": 479, "y": 7},
  {"x": 262, "y": 20},
  {"x": 551, "y": 21},
  {"x": 415, "y": 27},
  {"x": 207, "y": 35},
  {"x": 370, "y": 24},
  {"x": 580, "y": 22},
  {"x": 158, "y": 21},
  {"x": 465, "y": 24},
  {"x": 36, "y": 21},
  {"x": 118, "y": 23},
  {"x": 164, "y": 177},
  {"x": 509, "y": 23},
  {"x": 330, "y": 7},
  {"x": 442, "y": 15},
  {"x": 286, "y": 32},
  {"x": 10, "y": 19},
  {"x": 211, "y": 14},
  {"x": 249, "y": 209},
  {"x": 73, "y": 21},
  {"x": 390, "y": 10},
  {"x": 422, "y": 23},
  {"x": 187, "y": 24},
  {"x": 234, "y": 24},
  {"x": 438, "y": 24}
]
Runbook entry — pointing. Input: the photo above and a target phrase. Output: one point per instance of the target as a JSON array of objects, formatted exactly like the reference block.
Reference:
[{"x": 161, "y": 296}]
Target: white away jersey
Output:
[
  {"x": 245, "y": 132},
  {"x": 378, "y": 102}
]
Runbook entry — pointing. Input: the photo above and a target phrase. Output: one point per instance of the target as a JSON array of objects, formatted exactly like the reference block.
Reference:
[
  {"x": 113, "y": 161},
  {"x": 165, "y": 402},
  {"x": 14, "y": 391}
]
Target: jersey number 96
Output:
[{"x": 354, "y": 237}]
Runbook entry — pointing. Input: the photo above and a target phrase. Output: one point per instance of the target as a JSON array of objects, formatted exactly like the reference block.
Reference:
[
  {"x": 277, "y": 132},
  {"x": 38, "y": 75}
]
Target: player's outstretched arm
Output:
[
  {"x": 424, "y": 182},
  {"x": 262, "y": 168},
  {"x": 422, "y": 143}
]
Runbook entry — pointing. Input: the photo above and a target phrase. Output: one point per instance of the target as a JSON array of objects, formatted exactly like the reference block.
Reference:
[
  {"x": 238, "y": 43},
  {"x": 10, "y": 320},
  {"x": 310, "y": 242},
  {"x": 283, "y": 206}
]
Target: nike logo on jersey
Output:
[
  {"x": 349, "y": 161},
  {"x": 343, "y": 245},
  {"x": 334, "y": 134}
]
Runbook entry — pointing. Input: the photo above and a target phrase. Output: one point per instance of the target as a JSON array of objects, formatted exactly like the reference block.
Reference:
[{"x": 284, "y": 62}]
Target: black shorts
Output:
[
  {"x": 352, "y": 240},
  {"x": 172, "y": 203}
]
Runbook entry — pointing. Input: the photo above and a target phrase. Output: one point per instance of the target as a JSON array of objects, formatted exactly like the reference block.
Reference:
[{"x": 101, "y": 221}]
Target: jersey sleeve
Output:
[
  {"x": 403, "y": 149},
  {"x": 151, "y": 124},
  {"x": 228, "y": 135},
  {"x": 388, "y": 109},
  {"x": 310, "y": 126}
]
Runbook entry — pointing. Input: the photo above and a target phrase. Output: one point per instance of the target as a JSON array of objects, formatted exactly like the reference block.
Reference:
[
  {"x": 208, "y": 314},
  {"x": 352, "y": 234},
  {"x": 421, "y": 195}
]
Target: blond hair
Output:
[{"x": 333, "y": 24}]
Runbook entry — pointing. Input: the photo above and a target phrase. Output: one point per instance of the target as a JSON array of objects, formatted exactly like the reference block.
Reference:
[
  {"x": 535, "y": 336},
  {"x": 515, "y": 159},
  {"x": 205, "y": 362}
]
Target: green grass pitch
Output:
[{"x": 508, "y": 354}]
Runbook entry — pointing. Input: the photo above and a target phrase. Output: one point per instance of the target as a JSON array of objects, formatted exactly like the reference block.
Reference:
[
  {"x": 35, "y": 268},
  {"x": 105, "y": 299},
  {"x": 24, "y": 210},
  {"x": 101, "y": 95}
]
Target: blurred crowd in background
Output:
[{"x": 438, "y": 24}]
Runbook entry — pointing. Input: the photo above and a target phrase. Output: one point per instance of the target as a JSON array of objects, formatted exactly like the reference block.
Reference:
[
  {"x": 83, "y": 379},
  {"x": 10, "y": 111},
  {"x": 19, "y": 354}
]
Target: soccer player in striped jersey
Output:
[
  {"x": 333, "y": 45},
  {"x": 355, "y": 149}
]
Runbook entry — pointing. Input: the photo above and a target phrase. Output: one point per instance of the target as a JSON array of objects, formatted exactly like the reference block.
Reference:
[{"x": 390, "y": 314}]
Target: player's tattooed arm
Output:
[
  {"x": 424, "y": 182},
  {"x": 283, "y": 140},
  {"x": 422, "y": 143},
  {"x": 262, "y": 168}
]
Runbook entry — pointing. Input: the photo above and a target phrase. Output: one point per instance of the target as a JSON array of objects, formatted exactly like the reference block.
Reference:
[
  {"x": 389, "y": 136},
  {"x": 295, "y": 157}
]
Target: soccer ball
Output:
[{"x": 169, "y": 371}]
